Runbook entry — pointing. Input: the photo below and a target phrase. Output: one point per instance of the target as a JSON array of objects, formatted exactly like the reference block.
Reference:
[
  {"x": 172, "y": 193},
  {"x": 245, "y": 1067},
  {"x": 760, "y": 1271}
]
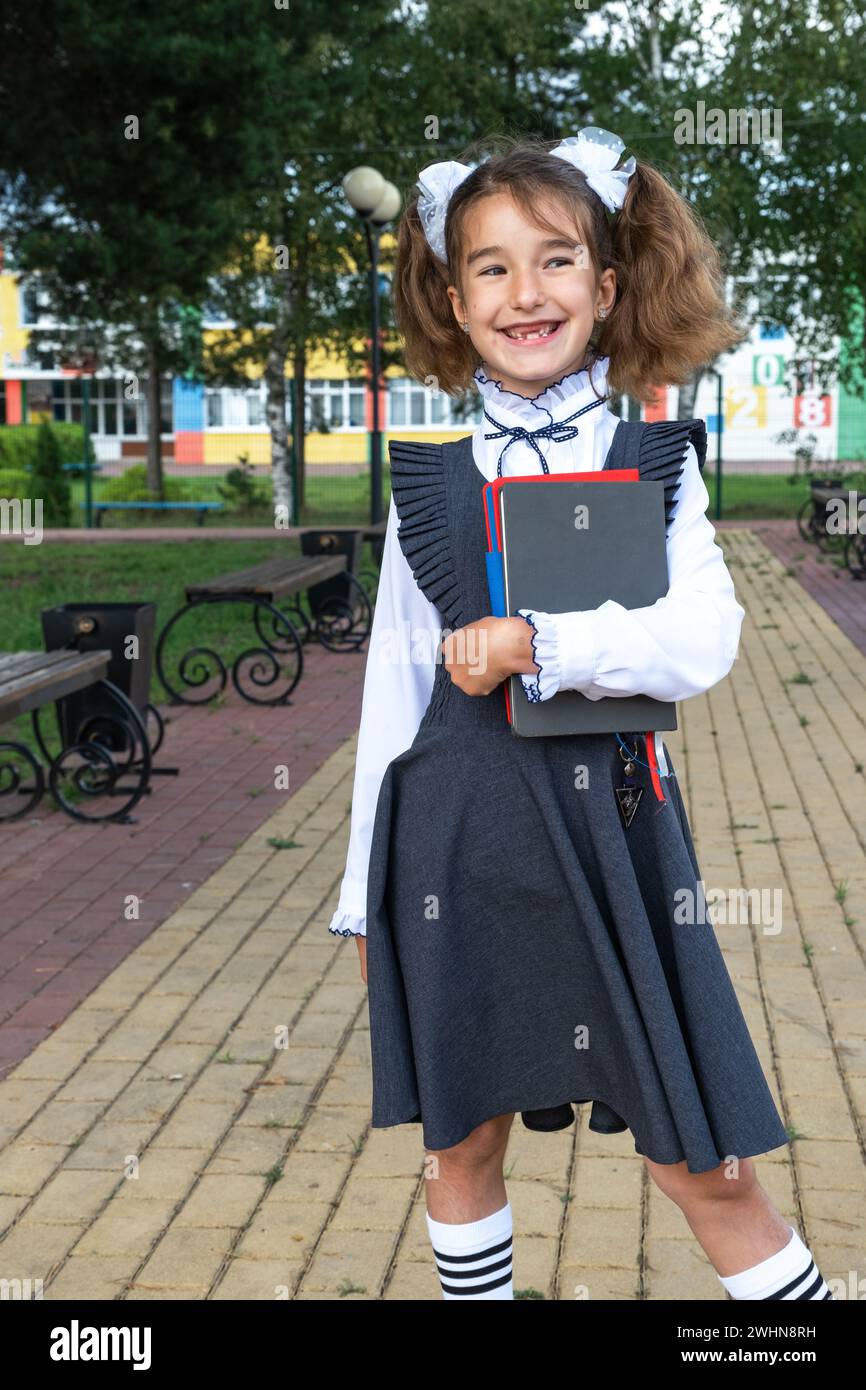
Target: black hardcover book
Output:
[{"x": 574, "y": 545}]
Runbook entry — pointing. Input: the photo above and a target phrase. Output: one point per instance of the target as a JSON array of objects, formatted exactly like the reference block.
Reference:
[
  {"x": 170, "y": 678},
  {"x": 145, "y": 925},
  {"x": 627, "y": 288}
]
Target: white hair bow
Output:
[
  {"x": 593, "y": 150},
  {"x": 437, "y": 182}
]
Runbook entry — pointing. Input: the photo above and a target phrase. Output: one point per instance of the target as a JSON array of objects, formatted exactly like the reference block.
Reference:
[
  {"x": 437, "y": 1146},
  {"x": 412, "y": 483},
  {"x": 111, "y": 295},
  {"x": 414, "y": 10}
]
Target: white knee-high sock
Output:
[
  {"x": 474, "y": 1258},
  {"x": 790, "y": 1274}
]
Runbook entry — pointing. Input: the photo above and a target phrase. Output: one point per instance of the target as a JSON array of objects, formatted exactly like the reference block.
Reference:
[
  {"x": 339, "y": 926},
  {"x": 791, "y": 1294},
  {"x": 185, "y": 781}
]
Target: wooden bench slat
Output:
[
  {"x": 273, "y": 578},
  {"x": 21, "y": 663},
  {"x": 41, "y": 677}
]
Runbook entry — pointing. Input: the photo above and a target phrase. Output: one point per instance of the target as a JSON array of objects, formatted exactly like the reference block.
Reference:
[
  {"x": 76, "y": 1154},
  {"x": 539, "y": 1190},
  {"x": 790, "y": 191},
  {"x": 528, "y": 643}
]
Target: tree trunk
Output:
[
  {"x": 281, "y": 476},
  {"x": 688, "y": 396},
  {"x": 299, "y": 369},
  {"x": 154, "y": 442}
]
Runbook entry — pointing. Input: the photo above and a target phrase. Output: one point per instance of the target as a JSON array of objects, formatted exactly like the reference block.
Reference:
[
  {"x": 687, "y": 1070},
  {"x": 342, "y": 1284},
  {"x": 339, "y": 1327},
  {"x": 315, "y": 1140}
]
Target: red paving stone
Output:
[
  {"x": 843, "y": 596},
  {"x": 62, "y": 930}
]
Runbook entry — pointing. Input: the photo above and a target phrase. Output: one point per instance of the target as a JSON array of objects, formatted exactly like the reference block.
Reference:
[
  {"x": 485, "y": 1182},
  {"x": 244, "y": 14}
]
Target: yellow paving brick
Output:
[
  {"x": 283, "y": 1229},
  {"x": 126, "y": 1228},
  {"x": 186, "y": 1259},
  {"x": 72, "y": 1197},
  {"x": 91, "y": 1278},
  {"x": 222, "y": 1201},
  {"x": 374, "y": 1204},
  {"x": 267, "y": 1281},
  {"x": 25, "y": 1168},
  {"x": 249, "y": 1150}
]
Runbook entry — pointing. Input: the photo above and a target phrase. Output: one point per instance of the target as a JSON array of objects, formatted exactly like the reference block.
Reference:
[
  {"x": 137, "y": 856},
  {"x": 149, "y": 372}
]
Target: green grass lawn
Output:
[
  {"x": 755, "y": 495},
  {"x": 341, "y": 500}
]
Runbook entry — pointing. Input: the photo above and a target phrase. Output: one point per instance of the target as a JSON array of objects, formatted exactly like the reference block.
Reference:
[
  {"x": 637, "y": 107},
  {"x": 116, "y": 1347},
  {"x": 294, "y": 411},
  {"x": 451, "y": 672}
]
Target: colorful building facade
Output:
[{"x": 212, "y": 427}]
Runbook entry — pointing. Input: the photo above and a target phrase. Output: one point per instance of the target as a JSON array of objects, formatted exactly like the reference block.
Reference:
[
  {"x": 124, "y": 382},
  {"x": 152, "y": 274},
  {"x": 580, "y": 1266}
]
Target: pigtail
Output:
[
  {"x": 436, "y": 350},
  {"x": 670, "y": 315}
]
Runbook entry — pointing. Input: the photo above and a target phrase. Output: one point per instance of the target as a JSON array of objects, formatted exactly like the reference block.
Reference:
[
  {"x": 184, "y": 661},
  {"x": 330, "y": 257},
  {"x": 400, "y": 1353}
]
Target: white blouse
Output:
[{"x": 679, "y": 646}]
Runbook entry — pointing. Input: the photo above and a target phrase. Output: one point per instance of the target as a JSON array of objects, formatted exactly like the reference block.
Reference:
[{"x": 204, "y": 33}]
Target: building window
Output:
[
  {"x": 335, "y": 405},
  {"x": 235, "y": 408},
  {"x": 413, "y": 405},
  {"x": 214, "y": 404},
  {"x": 33, "y": 306},
  {"x": 112, "y": 413},
  {"x": 255, "y": 408}
]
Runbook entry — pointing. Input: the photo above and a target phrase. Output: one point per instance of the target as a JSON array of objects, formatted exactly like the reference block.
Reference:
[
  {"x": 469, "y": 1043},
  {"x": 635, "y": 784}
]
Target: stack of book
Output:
[{"x": 571, "y": 541}]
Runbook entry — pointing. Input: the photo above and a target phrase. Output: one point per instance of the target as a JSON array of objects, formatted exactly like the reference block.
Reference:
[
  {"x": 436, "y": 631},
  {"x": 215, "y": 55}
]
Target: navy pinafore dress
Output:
[{"x": 522, "y": 949}]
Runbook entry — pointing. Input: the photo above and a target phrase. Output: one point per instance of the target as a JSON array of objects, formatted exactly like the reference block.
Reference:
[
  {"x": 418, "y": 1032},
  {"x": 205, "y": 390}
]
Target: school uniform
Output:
[{"x": 522, "y": 945}]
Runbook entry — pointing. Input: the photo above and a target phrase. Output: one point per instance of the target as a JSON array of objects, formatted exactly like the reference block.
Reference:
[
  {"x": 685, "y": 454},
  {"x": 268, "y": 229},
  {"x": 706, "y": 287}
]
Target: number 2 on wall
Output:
[{"x": 746, "y": 407}]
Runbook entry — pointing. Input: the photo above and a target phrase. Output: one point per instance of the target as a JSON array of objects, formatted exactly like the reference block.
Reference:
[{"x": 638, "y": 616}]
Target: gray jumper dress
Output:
[{"x": 522, "y": 948}]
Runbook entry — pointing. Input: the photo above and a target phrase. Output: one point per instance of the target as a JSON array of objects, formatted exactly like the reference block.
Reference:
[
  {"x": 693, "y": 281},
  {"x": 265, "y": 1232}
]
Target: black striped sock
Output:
[
  {"x": 789, "y": 1274},
  {"x": 474, "y": 1258}
]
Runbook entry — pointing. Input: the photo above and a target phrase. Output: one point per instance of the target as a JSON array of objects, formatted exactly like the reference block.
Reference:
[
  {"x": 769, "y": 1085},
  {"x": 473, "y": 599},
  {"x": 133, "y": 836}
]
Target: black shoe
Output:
[{"x": 557, "y": 1117}]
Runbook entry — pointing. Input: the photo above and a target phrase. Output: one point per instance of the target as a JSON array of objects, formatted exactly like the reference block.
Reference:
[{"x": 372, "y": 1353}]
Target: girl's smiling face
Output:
[{"x": 530, "y": 295}]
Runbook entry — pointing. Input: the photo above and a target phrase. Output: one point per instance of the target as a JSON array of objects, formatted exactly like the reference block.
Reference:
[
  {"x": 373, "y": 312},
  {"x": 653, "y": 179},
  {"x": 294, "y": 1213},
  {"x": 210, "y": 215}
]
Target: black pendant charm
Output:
[
  {"x": 627, "y": 800},
  {"x": 627, "y": 797}
]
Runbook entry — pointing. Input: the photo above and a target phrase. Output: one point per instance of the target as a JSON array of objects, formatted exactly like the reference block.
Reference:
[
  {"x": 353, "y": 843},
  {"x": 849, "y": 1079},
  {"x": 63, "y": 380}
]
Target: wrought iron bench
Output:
[
  {"x": 340, "y": 624},
  {"x": 96, "y": 754},
  {"x": 829, "y": 497}
]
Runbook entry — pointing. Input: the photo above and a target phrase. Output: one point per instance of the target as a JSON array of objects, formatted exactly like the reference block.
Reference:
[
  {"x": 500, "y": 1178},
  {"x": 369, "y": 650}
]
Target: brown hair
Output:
[{"x": 669, "y": 316}]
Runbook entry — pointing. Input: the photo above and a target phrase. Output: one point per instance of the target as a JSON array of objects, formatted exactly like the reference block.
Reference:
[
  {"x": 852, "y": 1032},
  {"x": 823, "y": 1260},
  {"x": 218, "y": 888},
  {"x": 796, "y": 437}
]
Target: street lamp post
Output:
[{"x": 376, "y": 202}]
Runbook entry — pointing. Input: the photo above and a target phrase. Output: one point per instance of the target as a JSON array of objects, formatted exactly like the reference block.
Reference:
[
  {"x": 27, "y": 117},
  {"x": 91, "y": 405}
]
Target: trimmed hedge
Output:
[
  {"x": 14, "y": 484},
  {"x": 131, "y": 486},
  {"x": 18, "y": 444}
]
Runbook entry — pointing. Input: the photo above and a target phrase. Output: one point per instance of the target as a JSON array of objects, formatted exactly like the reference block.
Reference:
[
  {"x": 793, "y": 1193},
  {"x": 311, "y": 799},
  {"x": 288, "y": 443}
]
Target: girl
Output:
[{"x": 526, "y": 950}]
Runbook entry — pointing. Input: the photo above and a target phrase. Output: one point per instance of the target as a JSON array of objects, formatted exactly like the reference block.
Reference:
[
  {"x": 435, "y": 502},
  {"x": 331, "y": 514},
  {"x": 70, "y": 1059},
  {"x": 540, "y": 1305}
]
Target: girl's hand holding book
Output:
[{"x": 481, "y": 655}]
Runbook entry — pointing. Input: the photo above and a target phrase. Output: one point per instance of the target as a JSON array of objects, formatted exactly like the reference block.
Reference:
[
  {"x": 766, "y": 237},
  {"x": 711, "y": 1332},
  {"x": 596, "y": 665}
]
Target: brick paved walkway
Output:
[
  {"x": 161, "y": 1143},
  {"x": 62, "y": 924}
]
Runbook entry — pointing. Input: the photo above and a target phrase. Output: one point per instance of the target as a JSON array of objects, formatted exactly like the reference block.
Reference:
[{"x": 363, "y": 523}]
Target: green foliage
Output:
[
  {"x": 238, "y": 488},
  {"x": 14, "y": 484},
  {"x": 18, "y": 444},
  {"x": 127, "y": 218},
  {"x": 131, "y": 486},
  {"x": 47, "y": 480}
]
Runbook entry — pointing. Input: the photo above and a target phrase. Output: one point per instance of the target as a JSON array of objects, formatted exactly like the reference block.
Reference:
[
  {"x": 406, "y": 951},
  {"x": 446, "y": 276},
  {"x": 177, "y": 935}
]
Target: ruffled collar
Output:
[
  {"x": 500, "y": 443},
  {"x": 562, "y": 398}
]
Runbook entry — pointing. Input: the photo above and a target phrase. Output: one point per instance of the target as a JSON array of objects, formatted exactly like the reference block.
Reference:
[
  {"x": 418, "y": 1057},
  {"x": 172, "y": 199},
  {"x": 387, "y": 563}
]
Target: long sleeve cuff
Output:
[
  {"x": 562, "y": 645},
  {"x": 348, "y": 924}
]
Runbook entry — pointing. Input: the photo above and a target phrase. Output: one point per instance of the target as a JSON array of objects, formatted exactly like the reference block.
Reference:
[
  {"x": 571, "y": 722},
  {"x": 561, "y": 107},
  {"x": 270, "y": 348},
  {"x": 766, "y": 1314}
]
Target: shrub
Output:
[
  {"x": 238, "y": 488},
  {"x": 131, "y": 486},
  {"x": 14, "y": 484},
  {"x": 47, "y": 480},
  {"x": 18, "y": 444}
]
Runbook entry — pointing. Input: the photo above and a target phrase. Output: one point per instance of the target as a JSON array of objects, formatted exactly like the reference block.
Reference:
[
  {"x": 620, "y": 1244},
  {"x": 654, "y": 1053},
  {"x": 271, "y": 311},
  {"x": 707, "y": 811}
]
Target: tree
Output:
[
  {"x": 48, "y": 481},
  {"x": 790, "y": 222},
  {"x": 297, "y": 281},
  {"x": 133, "y": 145}
]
